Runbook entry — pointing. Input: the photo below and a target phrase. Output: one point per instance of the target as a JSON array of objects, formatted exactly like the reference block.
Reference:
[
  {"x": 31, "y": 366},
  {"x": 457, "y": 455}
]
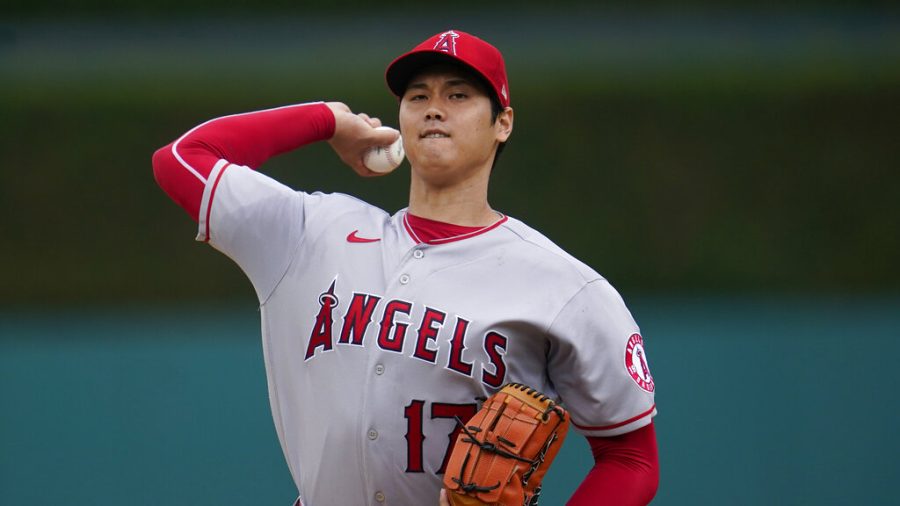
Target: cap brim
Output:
[{"x": 405, "y": 68}]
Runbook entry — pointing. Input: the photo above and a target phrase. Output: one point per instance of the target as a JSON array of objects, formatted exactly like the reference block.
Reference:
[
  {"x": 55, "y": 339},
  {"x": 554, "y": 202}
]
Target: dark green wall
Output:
[{"x": 699, "y": 151}]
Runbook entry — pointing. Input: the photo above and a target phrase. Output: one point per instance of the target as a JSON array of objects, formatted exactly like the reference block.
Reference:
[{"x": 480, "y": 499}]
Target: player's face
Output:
[{"x": 447, "y": 128}]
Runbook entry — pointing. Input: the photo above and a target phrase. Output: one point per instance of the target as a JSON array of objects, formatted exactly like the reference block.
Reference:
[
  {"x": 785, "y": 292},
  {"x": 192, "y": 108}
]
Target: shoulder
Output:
[
  {"x": 547, "y": 255},
  {"x": 334, "y": 205},
  {"x": 243, "y": 187}
]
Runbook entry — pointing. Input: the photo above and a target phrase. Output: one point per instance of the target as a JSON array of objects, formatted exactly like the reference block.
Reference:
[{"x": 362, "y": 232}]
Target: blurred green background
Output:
[{"x": 730, "y": 167}]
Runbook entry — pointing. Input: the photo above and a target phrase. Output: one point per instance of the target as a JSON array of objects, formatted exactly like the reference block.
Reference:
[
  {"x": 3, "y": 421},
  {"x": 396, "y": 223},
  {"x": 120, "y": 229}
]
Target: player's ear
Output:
[{"x": 504, "y": 124}]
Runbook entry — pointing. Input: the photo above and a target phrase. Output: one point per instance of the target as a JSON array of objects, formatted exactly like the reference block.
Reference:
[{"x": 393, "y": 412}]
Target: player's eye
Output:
[{"x": 458, "y": 95}]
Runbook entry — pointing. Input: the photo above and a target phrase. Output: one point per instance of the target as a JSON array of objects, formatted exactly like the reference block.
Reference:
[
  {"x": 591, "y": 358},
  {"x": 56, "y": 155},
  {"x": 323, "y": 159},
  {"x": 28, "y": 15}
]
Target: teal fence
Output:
[{"x": 761, "y": 401}]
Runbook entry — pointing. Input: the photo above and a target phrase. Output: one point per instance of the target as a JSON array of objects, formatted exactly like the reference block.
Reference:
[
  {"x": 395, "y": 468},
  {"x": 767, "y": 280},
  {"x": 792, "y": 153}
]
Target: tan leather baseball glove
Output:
[{"x": 504, "y": 451}]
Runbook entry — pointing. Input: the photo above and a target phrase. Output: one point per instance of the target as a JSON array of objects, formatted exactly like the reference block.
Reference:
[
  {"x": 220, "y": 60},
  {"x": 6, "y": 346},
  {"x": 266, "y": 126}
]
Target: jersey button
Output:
[
  {"x": 379, "y": 369},
  {"x": 373, "y": 434},
  {"x": 379, "y": 496},
  {"x": 418, "y": 253},
  {"x": 404, "y": 279}
]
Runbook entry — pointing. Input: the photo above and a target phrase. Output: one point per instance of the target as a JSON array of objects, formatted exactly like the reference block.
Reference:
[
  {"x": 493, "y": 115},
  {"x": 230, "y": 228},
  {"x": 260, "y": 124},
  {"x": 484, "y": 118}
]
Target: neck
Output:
[{"x": 464, "y": 203}]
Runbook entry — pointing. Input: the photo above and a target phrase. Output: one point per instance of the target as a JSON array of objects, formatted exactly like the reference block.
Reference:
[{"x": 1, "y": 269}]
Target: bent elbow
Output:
[{"x": 163, "y": 161}]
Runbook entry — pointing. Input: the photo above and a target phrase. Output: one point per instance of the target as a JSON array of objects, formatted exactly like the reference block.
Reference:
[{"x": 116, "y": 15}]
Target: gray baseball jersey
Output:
[{"x": 374, "y": 340}]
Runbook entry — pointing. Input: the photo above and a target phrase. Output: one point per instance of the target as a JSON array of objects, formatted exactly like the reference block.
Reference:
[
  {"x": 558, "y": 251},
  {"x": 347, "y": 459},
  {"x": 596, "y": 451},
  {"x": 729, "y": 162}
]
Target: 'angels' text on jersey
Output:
[{"x": 392, "y": 322}]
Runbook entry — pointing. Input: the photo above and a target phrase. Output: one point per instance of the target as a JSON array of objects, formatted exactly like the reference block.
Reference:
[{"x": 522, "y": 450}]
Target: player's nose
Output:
[{"x": 434, "y": 112}]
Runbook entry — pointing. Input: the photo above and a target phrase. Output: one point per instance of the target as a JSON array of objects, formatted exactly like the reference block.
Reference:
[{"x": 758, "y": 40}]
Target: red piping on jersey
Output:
[
  {"x": 410, "y": 231},
  {"x": 443, "y": 240},
  {"x": 212, "y": 194},
  {"x": 616, "y": 425}
]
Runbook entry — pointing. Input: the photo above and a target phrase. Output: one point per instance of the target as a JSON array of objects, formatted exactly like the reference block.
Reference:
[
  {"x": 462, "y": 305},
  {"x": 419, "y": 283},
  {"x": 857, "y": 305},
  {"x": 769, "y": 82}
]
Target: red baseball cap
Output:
[{"x": 455, "y": 45}]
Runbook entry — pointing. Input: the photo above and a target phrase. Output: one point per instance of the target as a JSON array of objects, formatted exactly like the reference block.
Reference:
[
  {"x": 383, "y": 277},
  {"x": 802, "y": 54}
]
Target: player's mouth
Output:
[{"x": 434, "y": 134}]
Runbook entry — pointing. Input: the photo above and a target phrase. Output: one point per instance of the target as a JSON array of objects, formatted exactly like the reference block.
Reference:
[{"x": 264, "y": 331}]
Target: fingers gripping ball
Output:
[
  {"x": 385, "y": 159},
  {"x": 504, "y": 451}
]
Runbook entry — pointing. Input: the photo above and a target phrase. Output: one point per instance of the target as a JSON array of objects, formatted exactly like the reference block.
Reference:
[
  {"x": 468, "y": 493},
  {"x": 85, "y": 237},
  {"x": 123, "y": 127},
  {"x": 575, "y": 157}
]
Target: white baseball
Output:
[{"x": 384, "y": 159}]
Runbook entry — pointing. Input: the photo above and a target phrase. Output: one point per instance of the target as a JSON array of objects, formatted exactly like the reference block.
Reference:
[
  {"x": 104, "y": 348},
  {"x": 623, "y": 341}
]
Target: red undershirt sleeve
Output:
[
  {"x": 625, "y": 472},
  {"x": 182, "y": 167}
]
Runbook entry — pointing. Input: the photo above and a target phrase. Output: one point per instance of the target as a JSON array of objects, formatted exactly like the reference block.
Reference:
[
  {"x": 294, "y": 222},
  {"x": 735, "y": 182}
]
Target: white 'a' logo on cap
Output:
[{"x": 447, "y": 42}]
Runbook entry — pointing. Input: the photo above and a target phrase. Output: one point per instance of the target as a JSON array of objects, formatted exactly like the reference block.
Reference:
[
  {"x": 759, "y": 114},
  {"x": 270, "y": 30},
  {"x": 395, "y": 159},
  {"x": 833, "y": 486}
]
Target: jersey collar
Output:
[{"x": 435, "y": 232}]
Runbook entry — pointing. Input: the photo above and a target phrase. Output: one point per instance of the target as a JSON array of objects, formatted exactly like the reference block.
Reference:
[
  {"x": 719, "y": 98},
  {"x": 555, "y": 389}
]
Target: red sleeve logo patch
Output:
[{"x": 636, "y": 363}]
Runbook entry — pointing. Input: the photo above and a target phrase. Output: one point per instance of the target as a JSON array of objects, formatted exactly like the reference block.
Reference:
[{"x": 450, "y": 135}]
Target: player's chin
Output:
[
  {"x": 431, "y": 160},
  {"x": 434, "y": 171},
  {"x": 431, "y": 149}
]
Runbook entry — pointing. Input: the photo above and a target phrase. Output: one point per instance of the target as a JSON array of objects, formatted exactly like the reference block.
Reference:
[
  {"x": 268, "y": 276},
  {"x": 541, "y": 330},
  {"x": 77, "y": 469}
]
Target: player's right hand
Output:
[{"x": 354, "y": 134}]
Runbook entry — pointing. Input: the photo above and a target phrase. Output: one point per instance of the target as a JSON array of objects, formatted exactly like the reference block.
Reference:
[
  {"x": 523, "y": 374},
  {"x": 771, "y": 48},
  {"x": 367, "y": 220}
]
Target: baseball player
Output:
[{"x": 378, "y": 329}]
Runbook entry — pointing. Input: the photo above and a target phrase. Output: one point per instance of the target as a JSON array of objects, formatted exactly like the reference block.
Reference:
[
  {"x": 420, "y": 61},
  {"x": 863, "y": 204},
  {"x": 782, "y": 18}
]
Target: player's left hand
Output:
[{"x": 443, "y": 498}]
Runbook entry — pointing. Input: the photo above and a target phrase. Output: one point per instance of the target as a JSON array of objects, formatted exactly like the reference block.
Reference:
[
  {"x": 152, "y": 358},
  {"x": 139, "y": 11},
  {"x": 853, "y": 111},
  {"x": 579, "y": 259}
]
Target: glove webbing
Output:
[{"x": 490, "y": 448}]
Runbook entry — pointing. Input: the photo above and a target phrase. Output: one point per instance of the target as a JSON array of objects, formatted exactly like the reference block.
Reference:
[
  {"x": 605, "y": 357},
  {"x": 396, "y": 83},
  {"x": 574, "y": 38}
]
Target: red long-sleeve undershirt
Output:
[
  {"x": 181, "y": 168},
  {"x": 626, "y": 467},
  {"x": 625, "y": 472}
]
